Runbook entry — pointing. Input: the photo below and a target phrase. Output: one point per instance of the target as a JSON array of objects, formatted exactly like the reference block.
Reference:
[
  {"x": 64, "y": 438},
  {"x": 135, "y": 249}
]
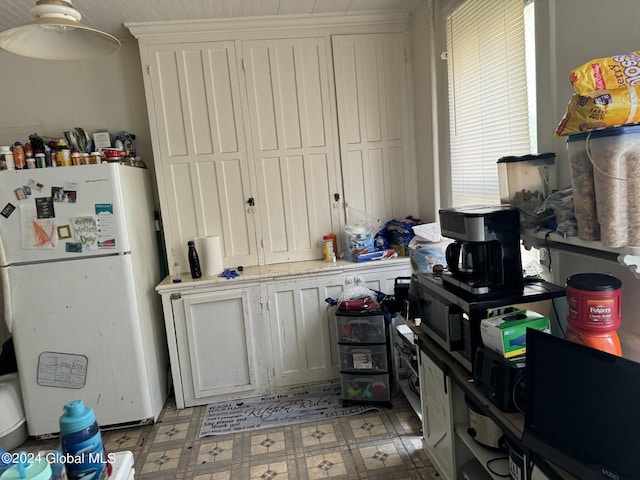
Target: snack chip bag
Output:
[
  {"x": 606, "y": 73},
  {"x": 602, "y": 109}
]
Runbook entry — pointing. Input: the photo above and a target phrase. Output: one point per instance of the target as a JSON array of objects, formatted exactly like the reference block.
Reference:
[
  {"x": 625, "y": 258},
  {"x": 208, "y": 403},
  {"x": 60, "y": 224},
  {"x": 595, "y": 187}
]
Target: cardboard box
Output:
[{"x": 506, "y": 334}]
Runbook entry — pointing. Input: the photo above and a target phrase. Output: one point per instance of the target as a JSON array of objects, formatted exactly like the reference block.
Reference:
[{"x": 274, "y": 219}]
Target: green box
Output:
[{"x": 506, "y": 334}]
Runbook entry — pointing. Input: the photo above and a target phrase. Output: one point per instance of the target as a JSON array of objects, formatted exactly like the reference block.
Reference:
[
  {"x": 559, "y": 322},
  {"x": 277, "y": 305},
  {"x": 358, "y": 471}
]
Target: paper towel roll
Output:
[{"x": 210, "y": 254}]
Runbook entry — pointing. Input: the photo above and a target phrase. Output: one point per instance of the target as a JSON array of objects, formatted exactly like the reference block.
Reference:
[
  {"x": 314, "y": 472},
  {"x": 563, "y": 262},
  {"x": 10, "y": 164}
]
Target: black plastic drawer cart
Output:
[{"x": 363, "y": 352}]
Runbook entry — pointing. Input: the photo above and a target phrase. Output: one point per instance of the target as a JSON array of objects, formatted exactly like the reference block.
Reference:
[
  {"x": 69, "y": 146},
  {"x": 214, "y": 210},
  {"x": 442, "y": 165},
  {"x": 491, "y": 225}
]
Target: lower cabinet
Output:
[
  {"x": 302, "y": 330},
  {"x": 258, "y": 335},
  {"x": 437, "y": 416},
  {"x": 220, "y": 345},
  {"x": 445, "y": 422}
]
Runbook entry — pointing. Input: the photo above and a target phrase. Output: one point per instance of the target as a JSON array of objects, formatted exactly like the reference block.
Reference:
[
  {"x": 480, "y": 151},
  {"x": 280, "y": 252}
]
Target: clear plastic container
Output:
[
  {"x": 367, "y": 358},
  {"x": 615, "y": 156},
  {"x": 360, "y": 328},
  {"x": 583, "y": 188},
  {"x": 525, "y": 182},
  {"x": 365, "y": 387},
  {"x": 6, "y": 158}
]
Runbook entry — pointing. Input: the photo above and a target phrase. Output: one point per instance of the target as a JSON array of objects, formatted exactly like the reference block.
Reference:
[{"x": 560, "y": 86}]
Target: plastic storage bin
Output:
[
  {"x": 359, "y": 387},
  {"x": 363, "y": 351},
  {"x": 583, "y": 187},
  {"x": 525, "y": 181},
  {"x": 615, "y": 155},
  {"x": 354, "y": 327},
  {"x": 372, "y": 358}
]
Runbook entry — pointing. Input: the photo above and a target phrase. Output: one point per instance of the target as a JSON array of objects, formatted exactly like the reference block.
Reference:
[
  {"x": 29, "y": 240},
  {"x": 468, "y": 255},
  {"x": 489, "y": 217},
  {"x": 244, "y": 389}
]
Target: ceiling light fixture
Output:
[{"x": 57, "y": 34}]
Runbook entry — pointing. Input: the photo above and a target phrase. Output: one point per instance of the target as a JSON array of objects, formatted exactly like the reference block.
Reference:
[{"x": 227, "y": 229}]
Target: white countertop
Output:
[{"x": 267, "y": 272}]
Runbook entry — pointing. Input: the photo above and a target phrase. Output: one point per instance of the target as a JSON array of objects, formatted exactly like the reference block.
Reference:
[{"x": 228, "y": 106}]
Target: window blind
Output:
[{"x": 488, "y": 95}]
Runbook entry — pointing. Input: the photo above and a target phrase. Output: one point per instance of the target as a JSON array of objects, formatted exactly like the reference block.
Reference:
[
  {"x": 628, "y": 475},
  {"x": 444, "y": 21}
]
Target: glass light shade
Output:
[{"x": 58, "y": 39}]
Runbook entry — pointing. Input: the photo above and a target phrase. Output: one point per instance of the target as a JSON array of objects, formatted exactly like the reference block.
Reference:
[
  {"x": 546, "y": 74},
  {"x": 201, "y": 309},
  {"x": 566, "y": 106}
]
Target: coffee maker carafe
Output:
[{"x": 485, "y": 257}]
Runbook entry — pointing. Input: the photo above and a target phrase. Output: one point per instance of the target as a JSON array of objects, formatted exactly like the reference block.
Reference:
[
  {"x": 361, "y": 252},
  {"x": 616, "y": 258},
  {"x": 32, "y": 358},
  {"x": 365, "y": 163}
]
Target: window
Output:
[{"x": 491, "y": 82}]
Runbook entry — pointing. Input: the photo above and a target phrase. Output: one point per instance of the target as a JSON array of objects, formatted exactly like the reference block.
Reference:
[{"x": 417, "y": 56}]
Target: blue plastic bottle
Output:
[{"x": 81, "y": 443}]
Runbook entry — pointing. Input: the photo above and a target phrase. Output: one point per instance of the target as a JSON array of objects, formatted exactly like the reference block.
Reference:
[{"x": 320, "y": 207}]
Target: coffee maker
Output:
[{"x": 485, "y": 257}]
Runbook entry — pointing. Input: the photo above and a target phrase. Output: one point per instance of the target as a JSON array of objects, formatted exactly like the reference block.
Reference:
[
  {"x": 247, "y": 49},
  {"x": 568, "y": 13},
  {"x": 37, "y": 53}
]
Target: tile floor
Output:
[{"x": 379, "y": 445}]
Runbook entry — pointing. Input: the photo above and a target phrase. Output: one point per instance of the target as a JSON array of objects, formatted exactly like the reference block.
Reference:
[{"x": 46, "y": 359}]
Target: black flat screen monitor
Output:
[{"x": 583, "y": 408}]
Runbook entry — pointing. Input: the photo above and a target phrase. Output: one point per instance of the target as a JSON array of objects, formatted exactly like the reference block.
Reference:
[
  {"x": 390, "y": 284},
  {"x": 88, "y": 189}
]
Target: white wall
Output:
[
  {"x": 580, "y": 30},
  {"x": 422, "y": 43},
  {"x": 49, "y": 97}
]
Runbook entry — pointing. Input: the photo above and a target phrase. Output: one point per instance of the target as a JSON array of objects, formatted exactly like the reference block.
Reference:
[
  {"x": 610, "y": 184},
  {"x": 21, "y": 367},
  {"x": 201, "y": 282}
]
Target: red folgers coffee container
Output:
[{"x": 594, "y": 301}]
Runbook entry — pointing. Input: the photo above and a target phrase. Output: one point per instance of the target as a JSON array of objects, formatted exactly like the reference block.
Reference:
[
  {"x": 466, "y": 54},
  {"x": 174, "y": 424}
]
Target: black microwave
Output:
[{"x": 441, "y": 319}]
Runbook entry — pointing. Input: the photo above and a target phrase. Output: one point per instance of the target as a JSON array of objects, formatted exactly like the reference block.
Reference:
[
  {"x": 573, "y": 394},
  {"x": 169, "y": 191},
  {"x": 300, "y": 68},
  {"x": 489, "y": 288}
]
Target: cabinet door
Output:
[
  {"x": 303, "y": 331},
  {"x": 437, "y": 424},
  {"x": 201, "y": 158},
  {"x": 292, "y": 140},
  {"x": 217, "y": 346},
  {"x": 376, "y": 149},
  {"x": 382, "y": 277}
]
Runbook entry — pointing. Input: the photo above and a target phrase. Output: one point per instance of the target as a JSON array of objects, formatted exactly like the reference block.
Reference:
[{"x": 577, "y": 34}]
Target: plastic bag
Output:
[
  {"x": 358, "y": 234},
  {"x": 398, "y": 234},
  {"x": 606, "y": 73},
  {"x": 559, "y": 205},
  {"x": 425, "y": 255},
  {"x": 604, "y": 109},
  {"x": 427, "y": 232},
  {"x": 357, "y": 297}
]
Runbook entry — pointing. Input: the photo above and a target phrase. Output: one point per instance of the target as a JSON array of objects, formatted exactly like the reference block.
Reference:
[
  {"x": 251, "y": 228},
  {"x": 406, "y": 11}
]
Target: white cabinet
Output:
[
  {"x": 219, "y": 346},
  {"x": 302, "y": 332},
  {"x": 261, "y": 134},
  {"x": 193, "y": 97},
  {"x": 437, "y": 420},
  {"x": 376, "y": 143},
  {"x": 287, "y": 84},
  {"x": 266, "y": 331}
]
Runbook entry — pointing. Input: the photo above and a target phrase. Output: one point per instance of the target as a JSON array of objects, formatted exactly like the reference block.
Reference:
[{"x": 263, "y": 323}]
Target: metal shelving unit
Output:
[{"x": 406, "y": 365}]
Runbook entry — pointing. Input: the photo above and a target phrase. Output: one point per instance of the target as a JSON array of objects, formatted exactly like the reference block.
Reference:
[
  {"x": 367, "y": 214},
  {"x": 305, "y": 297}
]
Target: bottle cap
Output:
[
  {"x": 37, "y": 470},
  {"x": 190, "y": 242},
  {"x": 76, "y": 416}
]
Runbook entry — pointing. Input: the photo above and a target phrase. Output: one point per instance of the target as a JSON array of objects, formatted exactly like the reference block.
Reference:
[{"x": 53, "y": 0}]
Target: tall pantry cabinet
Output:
[{"x": 264, "y": 130}]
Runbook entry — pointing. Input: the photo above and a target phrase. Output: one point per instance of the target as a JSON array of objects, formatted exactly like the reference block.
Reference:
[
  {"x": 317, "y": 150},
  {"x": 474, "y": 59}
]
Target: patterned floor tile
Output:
[
  {"x": 162, "y": 461},
  {"x": 376, "y": 445},
  {"x": 213, "y": 451},
  {"x": 320, "y": 434},
  {"x": 270, "y": 471},
  {"x": 326, "y": 465},
  {"x": 176, "y": 433},
  {"x": 380, "y": 456},
  {"x": 367, "y": 426},
  {"x": 262, "y": 443}
]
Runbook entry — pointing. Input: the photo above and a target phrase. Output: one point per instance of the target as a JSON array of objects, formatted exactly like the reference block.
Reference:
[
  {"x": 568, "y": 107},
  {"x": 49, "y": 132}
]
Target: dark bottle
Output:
[{"x": 194, "y": 261}]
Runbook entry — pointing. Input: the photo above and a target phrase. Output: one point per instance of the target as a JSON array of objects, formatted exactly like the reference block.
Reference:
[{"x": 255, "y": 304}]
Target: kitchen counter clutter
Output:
[
  {"x": 545, "y": 238},
  {"x": 267, "y": 330},
  {"x": 282, "y": 271},
  {"x": 446, "y": 389}
]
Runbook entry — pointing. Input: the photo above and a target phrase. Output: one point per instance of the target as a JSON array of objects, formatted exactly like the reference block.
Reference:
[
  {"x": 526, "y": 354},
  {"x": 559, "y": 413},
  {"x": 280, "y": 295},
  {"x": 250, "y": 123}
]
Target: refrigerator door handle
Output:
[{"x": 6, "y": 297}]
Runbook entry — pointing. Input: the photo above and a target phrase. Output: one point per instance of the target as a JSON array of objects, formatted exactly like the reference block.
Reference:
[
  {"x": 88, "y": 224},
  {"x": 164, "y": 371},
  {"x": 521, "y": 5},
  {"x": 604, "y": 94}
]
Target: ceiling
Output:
[{"x": 110, "y": 15}]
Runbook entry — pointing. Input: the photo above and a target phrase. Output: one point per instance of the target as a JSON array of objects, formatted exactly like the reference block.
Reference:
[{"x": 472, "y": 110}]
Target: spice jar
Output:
[
  {"x": 95, "y": 158},
  {"x": 6, "y": 158}
]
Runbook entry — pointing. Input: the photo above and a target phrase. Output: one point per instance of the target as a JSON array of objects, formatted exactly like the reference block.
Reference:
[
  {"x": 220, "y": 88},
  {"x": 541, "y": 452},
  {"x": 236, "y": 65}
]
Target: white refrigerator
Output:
[{"x": 78, "y": 266}]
